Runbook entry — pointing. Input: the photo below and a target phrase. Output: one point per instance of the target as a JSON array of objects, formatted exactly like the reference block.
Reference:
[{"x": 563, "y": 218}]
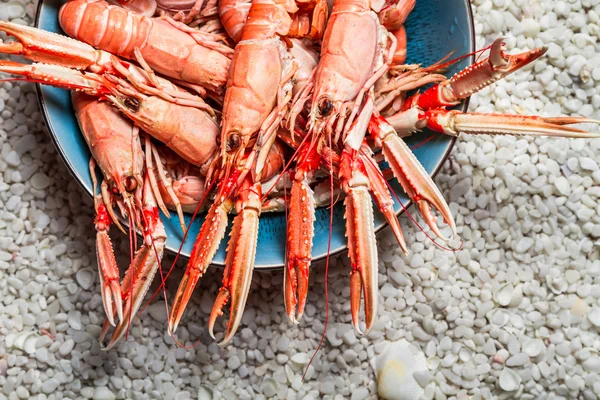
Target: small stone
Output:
[
  {"x": 205, "y": 393},
  {"x": 327, "y": 387},
  {"x": 283, "y": 343},
  {"x": 349, "y": 337},
  {"x": 562, "y": 185},
  {"x": 158, "y": 311},
  {"x": 12, "y": 10},
  {"x": 299, "y": 359},
  {"x": 517, "y": 360},
  {"x": 509, "y": 380},
  {"x": 588, "y": 164},
  {"x": 74, "y": 320},
  {"x": 22, "y": 392},
  {"x": 574, "y": 382},
  {"x": 40, "y": 181},
  {"x": 87, "y": 392},
  {"x": 360, "y": 393},
  {"x": 531, "y": 27},
  {"x": 504, "y": 295},
  {"x": 103, "y": 393},
  {"x": 25, "y": 143},
  {"x": 66, "y": 347},
  {"x": 85, "y": 278},
  {"x": 42, "y": 354},
  {"x": 533, "y": 347},
  {"x": 592, "y": 364},
  {"x": 233, "y": 363},
  {"x": 489, "y": 348},
  {"x": 333, "y": 338},
  {"x": 269, "y": 387},
  {"x": 49, "y": 386},
  {"x": 594, "y": 317},
  {"x": 523, "y": 245},
  {"x": 12, "y": 159}
]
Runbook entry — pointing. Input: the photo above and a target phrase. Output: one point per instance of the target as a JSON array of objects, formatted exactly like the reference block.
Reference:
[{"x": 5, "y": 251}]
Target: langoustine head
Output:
[
  {"x": 115, "y": 146},
  {"x": 347, "y": 67}
]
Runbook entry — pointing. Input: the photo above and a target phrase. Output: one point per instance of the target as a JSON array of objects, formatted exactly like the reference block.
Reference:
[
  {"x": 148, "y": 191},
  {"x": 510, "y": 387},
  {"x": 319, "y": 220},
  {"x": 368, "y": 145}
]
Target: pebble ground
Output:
[{"x": 514, "y": 314}]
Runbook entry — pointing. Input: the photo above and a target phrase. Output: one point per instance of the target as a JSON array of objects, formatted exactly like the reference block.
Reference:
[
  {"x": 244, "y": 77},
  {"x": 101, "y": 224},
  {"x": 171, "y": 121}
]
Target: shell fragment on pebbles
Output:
[
  {"x": 533, "y": 347},
  {"x": 594, "y": 317},
  {"x": 509, "y": 380},
  {"x": 504, "y": 295},
  {"x": 396, "y": 367},
  {"x": 299, "y": 359},
  {"x": 269, "y": 387},
  {"x": 557, "y": 284},
  {"x": 205, "y": 393}
]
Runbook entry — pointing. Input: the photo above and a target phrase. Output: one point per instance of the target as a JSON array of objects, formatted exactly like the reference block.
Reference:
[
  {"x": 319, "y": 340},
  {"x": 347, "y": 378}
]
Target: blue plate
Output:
[{"x": 434, "y": 29}]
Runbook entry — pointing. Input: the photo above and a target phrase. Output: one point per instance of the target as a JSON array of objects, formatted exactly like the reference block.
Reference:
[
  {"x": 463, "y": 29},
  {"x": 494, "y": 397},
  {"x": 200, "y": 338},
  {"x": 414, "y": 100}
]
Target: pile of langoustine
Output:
[{"x": 237, "y": 101}]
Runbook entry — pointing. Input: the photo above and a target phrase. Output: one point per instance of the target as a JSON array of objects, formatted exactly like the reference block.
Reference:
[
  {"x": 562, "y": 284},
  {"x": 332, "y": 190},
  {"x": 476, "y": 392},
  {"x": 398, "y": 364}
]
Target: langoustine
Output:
[
  {"x": 254, "y": 105},
  {"x": 168, "y": 47},
  {"x": 116, "y": 148}
]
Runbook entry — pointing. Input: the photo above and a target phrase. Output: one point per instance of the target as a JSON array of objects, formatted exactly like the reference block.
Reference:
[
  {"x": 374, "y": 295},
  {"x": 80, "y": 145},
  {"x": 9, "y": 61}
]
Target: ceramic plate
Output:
[{"x": 434, "y": 29}]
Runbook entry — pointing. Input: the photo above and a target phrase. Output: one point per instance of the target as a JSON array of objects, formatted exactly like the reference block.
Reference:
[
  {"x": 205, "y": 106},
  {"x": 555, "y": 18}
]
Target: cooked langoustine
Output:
[
  {"x": 341, "y": 106},
  {"x": 115, "y": 146},
  {"x": 149, "y": 101},
  {"x": 168, "y": 47},
  {"x": 258, "y": 91}
]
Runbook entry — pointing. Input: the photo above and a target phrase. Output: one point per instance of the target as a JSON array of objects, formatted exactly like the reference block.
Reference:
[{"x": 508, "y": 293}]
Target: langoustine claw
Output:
[
  {"x": 239, "y": 263},
  {"x": 142, "y": 270},
  {"x": 108, "y": 268},
  {"x": 429, "y": 109},
  {"x": 415, "y": 181}
]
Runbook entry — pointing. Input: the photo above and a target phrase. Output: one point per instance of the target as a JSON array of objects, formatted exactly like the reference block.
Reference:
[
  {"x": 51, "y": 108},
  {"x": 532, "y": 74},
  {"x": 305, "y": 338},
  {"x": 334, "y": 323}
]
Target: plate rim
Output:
[{"x": 263, "y": 267}]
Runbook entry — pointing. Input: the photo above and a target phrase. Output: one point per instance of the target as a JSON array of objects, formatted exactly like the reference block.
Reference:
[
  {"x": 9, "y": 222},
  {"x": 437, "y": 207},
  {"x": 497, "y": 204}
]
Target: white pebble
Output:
[
  {"x": 158, "y": 311},
  {"x": 269, "y": 387},
  {"x": 66, "y": 347},
  {"x": 509, "y": 380},
  {"x": 594, "y": 316},
  {"x": 49, "y": 386},
  {"x": 517, "y": 360},
  {"x": 103, "y": 393},
  {"x": 40, "y": 181},
  {"x": 562, "y": 185},
  {"x": 531, "y": 28},
  {"x": 85, "y": 278}
]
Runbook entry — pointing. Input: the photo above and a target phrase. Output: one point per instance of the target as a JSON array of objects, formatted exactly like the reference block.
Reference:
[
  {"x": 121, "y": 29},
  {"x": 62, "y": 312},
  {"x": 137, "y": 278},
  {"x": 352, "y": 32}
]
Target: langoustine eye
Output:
[
  {"x": 233, "y": 141},
  {"x": 132, "y": 104},
  {"x": 325, "y": 107},
  {"x": 130, "y": 184}
]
